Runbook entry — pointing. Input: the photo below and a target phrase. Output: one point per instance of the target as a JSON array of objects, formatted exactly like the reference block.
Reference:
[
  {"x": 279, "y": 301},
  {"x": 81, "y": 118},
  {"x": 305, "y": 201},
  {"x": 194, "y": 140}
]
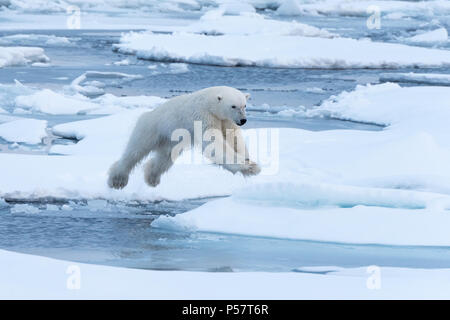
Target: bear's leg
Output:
[
  {"x": 139, "y": 146},
  {"x": 233, "y": 136},
  {"x": 246, "y": 168},
  {"x": 157, "y": 165},
  {"x": 118, "y": 176},
  {"x": 234, "y": 139}
]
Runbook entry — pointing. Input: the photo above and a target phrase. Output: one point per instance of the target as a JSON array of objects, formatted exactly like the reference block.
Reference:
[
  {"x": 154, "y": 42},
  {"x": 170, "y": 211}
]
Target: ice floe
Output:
[
  {"x": 289, "y": 8},
  {"x": 22, "y": 99},
  {"x": 48, "y": 101},
  {"x": 123, "y": 62},
  {"x": 325, "y": 282},
  {"x": 235, "y": 7},
  {"x": 18, "y": 56},
  {"x": 359, "y": 7},
  {"x": 176, "y": 68},
  {"x": 169, "y": 68},
  {"x": 250, "y": 24},
  {"x": 390, "y": 104},
  {"x": 30, "y": 131},
  {"x": 56, "y": 6},
  {"x": 283, "y": 51},
  {"x": 98, "y": 136},
  {"x": 35, "y": 39},
  {"x": 95, "y": 88},
  {"x": 437, "y": 35},
  {"x": 360, "y": 224},
  {"x": 24, "y": 208}
]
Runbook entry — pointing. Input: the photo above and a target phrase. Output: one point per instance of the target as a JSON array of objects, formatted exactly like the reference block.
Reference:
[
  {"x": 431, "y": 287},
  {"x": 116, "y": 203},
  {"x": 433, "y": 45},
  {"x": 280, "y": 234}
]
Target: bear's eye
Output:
[{"x": 234, "y": 107}]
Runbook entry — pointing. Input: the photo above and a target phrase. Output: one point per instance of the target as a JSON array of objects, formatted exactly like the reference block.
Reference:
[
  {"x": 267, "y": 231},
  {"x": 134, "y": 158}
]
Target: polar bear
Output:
[{"x": 219, "y": 108}]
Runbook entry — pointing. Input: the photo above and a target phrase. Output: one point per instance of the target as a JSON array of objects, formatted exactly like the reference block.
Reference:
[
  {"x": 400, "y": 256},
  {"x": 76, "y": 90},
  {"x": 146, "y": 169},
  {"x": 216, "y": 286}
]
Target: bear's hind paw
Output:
[{"x": 152, "y": 180}]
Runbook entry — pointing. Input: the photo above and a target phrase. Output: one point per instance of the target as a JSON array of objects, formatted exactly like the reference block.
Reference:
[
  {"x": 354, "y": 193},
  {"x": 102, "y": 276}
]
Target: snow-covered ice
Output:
[
  {"x": 437, "y": 35},
  {"x": 169, "y": 68},
  {"x": 359, "y": 224},
  {"x": 214, "y": 23},
  {"x": 289, "y": 8},
  {"x": 24, "y": 208},
  {"x": 391, "y": 104},
  {"x": 48, "y": 101},
  {"x": 56, "y": 6},
  {"x": 18, "y": 56},
  {"x": 359, "y": 7},
  {"x": 278, "y": 51},
  {"x": 98, "y": 136},
  {"x": 94, "y": 88},
  {"x": 123, "y": 62},
  {"x": 29, "y": 131},
  {"x": 59, "y": 103},
  {"x": 35, "y": 39},
  {"x": 50, "y": 279}
]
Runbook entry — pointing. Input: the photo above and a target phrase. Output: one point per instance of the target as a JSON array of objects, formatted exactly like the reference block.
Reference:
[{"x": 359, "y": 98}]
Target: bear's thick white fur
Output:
[{"x": 221, "y": 108}]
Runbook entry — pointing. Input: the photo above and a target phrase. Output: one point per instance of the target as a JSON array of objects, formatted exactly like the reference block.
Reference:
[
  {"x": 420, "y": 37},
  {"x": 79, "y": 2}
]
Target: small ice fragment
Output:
[
  {"x": 24, "y": 208},
  {"x": 19, "y": 110},
  {"x": 95, "y": 83},
  {"x": 52, "y": 207},
  {"x": 66, "y": 207},
  {"x": 315, "y": 90},
  {"x": 124, "y": 62},
  {"x": 41, "y": 64},
  {"x": 176, "y": 68},
  {"x": 97, "y": 205},
  {"x": 438, "y": 35}
]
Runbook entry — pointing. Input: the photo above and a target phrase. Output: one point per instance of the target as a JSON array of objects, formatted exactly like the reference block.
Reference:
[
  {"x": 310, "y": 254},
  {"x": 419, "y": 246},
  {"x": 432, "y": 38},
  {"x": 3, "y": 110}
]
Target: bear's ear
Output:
[
  {"x": 247, "y": 96},
  {"x": 219, "y": 97}
]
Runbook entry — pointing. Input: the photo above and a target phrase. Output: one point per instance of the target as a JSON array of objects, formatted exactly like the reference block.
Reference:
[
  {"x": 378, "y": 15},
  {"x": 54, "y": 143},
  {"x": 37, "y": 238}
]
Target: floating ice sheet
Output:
[
  {"x": 18, "y": 56},
  {"x": 283, "y": 51}
]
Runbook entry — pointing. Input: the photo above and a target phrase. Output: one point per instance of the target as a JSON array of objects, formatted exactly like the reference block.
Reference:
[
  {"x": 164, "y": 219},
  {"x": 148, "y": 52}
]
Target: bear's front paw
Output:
[
  {"x": 250, "y": 169},
  {"x": 118, "y": 181},
  {"x": 118, "y": 178}
]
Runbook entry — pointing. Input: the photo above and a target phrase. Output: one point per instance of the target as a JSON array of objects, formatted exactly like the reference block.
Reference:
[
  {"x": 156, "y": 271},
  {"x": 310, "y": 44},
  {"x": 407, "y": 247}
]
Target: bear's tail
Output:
[{"x": 118, "y": 177}]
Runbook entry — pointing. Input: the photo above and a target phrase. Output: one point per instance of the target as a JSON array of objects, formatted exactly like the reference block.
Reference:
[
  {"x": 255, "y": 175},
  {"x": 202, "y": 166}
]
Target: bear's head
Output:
[{"x": 230, "y": 105}]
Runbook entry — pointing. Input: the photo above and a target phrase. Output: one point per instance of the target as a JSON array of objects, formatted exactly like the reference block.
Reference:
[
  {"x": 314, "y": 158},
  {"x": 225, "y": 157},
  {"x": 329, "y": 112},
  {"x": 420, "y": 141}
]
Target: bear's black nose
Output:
[{"x": 243, "y": 121}]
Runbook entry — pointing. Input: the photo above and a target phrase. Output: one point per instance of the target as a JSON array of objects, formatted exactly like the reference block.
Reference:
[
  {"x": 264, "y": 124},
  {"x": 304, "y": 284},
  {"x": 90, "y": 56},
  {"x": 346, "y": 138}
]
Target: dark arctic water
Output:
[{"x": 122, "y": 234}]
